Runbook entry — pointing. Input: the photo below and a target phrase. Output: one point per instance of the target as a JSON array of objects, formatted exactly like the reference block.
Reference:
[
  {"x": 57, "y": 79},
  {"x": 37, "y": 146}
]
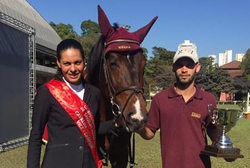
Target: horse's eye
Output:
[{"x": 113, "y": 63}]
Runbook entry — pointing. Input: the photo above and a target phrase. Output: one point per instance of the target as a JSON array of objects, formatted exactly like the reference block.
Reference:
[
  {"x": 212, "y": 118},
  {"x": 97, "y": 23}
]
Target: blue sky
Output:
[{"x": 214, "y": 25}]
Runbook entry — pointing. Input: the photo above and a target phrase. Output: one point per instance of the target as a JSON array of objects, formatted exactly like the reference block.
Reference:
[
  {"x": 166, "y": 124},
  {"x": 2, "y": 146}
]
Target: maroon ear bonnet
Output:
[{"x": 121, "y": 39}]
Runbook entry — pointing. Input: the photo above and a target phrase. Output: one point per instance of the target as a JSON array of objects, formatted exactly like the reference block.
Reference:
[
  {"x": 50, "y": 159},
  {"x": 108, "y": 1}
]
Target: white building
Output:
[
  {"x": 214, "y": 59},
  {"x": 239, "y": 57},
  {"x": 225, "y": 57}
]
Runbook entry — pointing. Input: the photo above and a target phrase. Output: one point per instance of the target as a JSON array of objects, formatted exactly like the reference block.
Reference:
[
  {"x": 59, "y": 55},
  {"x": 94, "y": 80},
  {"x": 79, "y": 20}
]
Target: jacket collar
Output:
[{"x": 87, "y": 92}]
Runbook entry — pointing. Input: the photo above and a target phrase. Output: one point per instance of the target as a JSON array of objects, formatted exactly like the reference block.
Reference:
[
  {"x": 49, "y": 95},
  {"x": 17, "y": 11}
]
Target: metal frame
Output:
[{"x": 10, "y": 21}]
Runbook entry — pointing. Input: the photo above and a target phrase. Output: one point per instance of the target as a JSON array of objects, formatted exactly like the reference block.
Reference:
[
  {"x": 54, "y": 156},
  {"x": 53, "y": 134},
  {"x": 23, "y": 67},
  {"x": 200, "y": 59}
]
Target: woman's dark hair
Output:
[{"x": 64, "y": 45}]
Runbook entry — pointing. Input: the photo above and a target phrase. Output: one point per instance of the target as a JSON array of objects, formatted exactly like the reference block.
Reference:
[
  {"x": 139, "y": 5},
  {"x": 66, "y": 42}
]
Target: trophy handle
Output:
[
  {"x": 240, "y": 115},
  {"x": 212, "y": 113},
  {"x": 209, "y": 110}
]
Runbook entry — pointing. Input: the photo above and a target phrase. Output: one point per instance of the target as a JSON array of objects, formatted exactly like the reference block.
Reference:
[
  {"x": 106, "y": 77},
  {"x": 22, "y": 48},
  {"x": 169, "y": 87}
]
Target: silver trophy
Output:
[{"x": 224, "y": 119}]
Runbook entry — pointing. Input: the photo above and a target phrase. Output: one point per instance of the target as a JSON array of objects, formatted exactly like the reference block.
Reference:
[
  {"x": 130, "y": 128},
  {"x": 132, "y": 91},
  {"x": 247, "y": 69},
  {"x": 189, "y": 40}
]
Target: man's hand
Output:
[
  {"x": 146, "y": 133},
  {"x": 214, "y": 143}
]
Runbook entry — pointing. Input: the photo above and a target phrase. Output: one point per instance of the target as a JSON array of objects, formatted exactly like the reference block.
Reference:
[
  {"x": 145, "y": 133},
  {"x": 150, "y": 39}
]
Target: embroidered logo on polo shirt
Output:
[{"x": 196, "y": 115}]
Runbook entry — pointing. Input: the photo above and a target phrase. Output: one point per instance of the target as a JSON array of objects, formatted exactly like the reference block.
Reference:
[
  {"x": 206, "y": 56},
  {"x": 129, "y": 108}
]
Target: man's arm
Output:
[
  {"x": 213, "y": 132},
  {"x": 146, "y": 133},
  {"x": 153, "y": 122}
]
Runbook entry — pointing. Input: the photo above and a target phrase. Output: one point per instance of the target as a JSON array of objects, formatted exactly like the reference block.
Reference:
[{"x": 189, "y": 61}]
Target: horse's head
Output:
[
  {"x": 122, "y": 72},
  {"x": 124, "y": 78}
]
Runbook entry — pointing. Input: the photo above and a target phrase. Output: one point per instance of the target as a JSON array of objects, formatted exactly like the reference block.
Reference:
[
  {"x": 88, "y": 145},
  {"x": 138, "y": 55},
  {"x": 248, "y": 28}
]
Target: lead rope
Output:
[
  {"x": 132, "y": 152},
  {"x": 106, "y": 154}
]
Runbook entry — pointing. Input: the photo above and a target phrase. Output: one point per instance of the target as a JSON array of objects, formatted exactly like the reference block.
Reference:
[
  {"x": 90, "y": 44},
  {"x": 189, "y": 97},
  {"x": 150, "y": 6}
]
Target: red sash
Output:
[{"x": 78, "y": 111}]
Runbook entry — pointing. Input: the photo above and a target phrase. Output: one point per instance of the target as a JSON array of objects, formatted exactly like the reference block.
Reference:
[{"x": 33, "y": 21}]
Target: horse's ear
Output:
[
  {"x": 104, "y": 23},
  {"x": 142, "y": 32}
]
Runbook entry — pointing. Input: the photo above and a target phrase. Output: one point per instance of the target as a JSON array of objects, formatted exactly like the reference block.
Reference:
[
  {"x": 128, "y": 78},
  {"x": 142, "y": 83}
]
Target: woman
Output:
[{"x": 70, "y": 108}]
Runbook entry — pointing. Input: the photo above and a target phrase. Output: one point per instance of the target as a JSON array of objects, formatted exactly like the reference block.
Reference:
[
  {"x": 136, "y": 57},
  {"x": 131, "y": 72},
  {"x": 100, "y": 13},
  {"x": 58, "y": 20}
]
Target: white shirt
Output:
[{"x": 78, "y": 89}]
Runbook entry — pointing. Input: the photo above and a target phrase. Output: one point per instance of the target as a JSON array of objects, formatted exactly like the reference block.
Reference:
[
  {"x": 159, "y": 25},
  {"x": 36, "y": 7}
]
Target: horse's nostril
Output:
[
  {"x": 134, "y": 120},
  {"x": 131, "y": 115}
]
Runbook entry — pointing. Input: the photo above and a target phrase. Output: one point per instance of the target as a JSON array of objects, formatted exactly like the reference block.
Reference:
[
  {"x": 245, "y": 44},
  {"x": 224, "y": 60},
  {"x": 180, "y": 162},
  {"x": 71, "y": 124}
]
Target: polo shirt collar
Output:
[
  {"x": 198, "y": 93},
  {"x": 173, "y": 93}
]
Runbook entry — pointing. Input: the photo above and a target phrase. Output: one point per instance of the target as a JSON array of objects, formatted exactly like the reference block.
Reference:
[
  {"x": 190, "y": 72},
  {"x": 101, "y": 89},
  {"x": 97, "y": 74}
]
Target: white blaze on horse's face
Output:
[
  {"x": 137, "y": 114},
  {"x": 128, "y": 59}
]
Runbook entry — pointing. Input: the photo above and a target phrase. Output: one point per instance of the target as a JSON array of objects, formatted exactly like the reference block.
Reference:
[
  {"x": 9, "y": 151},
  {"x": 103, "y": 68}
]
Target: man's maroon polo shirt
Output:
[{"x": 182, "y": 127}]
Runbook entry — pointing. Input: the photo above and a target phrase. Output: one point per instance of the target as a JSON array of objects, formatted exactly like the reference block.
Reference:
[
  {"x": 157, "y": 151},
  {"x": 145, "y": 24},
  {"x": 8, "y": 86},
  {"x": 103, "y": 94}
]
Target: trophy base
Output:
[{"x": 231, "y": 153}]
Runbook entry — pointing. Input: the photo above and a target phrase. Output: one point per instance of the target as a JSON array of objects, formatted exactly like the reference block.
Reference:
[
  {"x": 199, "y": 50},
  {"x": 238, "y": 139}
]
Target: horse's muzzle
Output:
[{"x": 135, "y": 124}]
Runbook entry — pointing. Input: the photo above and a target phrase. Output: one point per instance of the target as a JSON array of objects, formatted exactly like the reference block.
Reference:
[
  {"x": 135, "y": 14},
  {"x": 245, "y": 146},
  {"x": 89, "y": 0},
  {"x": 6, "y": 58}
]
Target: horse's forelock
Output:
[{"x": 115, "y": 26}]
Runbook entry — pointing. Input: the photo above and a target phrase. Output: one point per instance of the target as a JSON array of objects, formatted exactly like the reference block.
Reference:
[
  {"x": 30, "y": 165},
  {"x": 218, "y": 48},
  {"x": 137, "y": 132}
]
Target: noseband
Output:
[{"x": 113, "y": 93}]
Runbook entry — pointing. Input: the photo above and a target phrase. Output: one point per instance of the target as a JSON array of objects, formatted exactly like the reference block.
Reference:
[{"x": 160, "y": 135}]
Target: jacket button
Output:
[
  {"x": 80, "y": 148},
  {"x": 81, "y": 137}
]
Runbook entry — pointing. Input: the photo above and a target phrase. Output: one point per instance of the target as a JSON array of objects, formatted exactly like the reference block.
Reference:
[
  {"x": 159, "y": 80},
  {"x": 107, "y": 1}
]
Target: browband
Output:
[{"x": 121, "y": 41}]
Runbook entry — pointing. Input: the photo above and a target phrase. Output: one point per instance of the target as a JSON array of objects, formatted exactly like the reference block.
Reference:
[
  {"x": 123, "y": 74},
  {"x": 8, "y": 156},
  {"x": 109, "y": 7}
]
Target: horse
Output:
[{"x": 116, "y": 66}]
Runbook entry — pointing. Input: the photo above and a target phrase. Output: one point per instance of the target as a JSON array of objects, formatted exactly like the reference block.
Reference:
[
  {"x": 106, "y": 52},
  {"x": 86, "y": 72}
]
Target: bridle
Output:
[
  {"x": 117, "y": 112},
  {"x": 113, "y": 93}
]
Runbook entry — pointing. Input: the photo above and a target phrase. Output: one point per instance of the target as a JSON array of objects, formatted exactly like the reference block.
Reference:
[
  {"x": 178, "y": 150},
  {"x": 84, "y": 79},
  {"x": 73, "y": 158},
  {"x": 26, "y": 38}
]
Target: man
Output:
[{"x": 180, "y": 112}]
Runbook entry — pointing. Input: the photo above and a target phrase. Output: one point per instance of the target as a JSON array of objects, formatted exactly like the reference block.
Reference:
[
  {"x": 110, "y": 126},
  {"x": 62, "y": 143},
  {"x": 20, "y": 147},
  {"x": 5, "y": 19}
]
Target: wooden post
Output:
[
  {"x": 247, "y": 106},
  {"x": 149, "y": 91}
]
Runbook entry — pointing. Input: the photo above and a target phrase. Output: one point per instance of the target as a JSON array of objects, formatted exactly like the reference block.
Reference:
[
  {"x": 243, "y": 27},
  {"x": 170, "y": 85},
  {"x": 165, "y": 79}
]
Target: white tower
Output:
[
  {"x": 225, "y": 57},
  {"x": 239, "y": 57}
]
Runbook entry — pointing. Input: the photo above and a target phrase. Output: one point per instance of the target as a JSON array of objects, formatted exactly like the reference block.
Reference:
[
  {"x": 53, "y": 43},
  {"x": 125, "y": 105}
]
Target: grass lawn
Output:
[
  {"x": 240, "y": 136},
  {"x": 229, "y": 106},
  {"x": 148, "y": 152}
]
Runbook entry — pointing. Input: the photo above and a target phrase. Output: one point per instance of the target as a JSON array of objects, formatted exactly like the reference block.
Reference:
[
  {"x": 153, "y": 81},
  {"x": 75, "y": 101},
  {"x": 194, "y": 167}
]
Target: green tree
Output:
[
  {"x": 245, "y": 65},
  {"x": 90, "y": 28},
  {"x": 88, "y": 42},
  {"x": 213, "y": 79},
  {"x": 90, "y": 35},
  {"x": 158, "y": 71},
  {"x": 207, "y": 64},
  {"x": 203, "y": 78},
  {"x": 65, "y": 31},
  {"x": 164, "y": 55},
  {"x": 242, "y": 85},
  {"x": 216, "y": 81},
  {"x": 165, "y": 78},
  {"x": 161, "y": 56}
]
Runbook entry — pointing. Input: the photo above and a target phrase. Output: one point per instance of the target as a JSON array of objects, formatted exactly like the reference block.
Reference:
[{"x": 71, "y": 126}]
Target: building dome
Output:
[{"x": 21, "y": 10}]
